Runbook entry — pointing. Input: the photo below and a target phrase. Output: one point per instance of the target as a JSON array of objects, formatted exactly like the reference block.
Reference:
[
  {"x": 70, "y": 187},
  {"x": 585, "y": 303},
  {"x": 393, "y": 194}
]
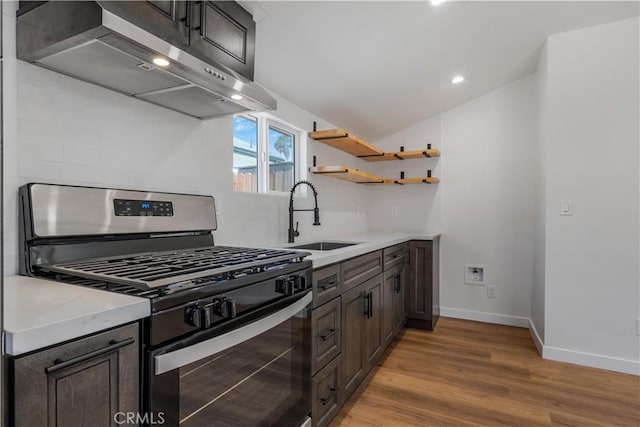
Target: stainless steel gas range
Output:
[{"x": 228, "y": 341}]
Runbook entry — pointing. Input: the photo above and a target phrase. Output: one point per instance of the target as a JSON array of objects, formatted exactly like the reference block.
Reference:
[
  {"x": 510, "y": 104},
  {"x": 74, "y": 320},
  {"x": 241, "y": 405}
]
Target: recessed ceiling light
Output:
[
  {"x": 437, "y": 2},
  {"x": 160, "y": 62},
  {"x": 457, "y": 79},
  {"x": 237, "y": 97}
]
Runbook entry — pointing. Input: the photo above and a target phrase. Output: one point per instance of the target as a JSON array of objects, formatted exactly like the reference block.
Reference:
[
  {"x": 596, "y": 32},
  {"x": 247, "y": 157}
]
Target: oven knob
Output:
[
  {"x": 225, "y": 308},
  {"x": 193, "y": 316},
  {"x": 300, "y": 282},
  {"x": 286, "y": 285}
]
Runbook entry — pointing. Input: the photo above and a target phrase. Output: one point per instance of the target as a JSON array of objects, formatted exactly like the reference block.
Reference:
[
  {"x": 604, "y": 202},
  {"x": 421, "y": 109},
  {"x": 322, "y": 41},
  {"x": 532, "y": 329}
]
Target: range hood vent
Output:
[{"x": 95, "y": 42}]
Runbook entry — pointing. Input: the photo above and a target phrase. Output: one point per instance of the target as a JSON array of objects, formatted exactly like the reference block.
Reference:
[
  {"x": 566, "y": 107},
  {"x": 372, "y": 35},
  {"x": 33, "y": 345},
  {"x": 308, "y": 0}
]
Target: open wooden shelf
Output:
[
  {"x": 360, "y": 177},
  {"x": 403, "y": 155},
  {"x": 344, "y": 141},
  {"x": 348, "y": 174},
  {"x": 419, "y": 180}
]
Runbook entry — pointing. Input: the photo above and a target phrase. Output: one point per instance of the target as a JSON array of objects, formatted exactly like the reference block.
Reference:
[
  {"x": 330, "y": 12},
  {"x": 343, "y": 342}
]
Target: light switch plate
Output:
[{"x": 566, "y": 207}]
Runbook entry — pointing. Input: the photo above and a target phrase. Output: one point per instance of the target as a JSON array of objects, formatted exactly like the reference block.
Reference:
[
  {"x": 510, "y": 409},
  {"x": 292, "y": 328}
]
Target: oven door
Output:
[{"x": 255, "y": 374}]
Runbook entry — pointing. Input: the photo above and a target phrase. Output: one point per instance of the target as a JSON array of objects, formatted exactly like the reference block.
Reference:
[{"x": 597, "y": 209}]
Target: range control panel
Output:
[{"x": 124, "y": 207}]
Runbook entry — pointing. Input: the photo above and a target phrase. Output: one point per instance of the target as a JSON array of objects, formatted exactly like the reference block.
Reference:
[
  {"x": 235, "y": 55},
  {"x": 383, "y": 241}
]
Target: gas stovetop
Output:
[{"x": 175, "y": 269}]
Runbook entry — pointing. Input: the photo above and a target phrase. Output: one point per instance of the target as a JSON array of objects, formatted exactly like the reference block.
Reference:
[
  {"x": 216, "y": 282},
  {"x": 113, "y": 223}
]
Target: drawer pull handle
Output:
[
  {"x": 329, "y": 334},
  {"x": 332, "y": 392},
  {"x": 331, "y": 284},
  {"x": 397, "y": 256},
  {"x": 59, "y": 364}
]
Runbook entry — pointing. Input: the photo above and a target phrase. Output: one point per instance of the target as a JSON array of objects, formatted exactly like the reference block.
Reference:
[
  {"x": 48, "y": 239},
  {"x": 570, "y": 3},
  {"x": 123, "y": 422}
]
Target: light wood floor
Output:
[{"x": 477, "y": 374}]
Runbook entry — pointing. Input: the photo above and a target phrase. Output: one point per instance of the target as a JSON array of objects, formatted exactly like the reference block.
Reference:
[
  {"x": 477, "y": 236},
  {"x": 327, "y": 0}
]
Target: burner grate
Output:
[{"x": 158, "y": 269}]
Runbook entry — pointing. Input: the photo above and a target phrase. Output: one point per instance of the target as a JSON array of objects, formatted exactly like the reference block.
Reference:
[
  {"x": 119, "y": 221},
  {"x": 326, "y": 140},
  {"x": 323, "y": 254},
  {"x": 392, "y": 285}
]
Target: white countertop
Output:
[
  {"x": 39, "y": 313},
  {"x": 367, "y": 242}
]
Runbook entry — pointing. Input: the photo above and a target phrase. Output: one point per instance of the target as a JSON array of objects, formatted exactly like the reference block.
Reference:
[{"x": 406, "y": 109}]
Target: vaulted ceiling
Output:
[{"x": 378, "y": 67}]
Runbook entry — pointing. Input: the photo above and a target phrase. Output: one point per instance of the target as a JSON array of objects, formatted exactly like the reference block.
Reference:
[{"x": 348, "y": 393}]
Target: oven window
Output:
[{"x": 261, "y": 382}]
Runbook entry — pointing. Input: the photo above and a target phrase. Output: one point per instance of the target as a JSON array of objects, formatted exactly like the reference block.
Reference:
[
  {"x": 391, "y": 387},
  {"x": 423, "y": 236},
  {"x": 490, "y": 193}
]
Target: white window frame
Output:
[{"x": 263, "y": 121}]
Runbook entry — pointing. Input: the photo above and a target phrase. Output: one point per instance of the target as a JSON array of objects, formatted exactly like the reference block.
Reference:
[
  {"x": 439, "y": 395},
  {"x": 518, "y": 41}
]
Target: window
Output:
[{"x": 266, "y": 154}]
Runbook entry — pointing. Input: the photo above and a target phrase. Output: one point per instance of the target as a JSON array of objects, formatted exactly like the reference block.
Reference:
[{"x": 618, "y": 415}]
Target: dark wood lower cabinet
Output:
[
  {"x": 326, "y": 342},
  {"x": 373, "y": 342},
  {"x": 362, "y": 343},
  {"x": 394, "y": 295},
  {"x": 370, "y": 296},
  {"x": 423, "y": 298},
  {"x": 326, "y": 395},
  {"x": 82, "y": 383},
  {"x": 353, "y": 329}
]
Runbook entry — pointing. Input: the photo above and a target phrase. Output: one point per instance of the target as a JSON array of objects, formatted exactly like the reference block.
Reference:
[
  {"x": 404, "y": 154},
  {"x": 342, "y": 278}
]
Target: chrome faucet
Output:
[{"x": 316, "y": 211}]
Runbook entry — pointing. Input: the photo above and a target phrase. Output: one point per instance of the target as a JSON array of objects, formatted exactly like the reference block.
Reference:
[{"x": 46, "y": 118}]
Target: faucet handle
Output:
[{"x": 296, "y": 233}]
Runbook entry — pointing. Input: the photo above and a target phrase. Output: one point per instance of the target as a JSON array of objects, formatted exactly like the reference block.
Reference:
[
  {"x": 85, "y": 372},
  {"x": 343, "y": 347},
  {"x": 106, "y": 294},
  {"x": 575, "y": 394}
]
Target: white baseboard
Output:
[
  {"x": 536, "y": 338},
  {"x": 625, "y": 366},
  {"x": 479, "y": 316}
]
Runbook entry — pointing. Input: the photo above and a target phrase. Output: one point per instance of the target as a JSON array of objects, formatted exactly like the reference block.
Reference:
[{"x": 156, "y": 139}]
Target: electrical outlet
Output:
[
  {"x": 491, "y": 291},
  {"x": 638, "y": 327},
  {"x": 394, "y": 210}
]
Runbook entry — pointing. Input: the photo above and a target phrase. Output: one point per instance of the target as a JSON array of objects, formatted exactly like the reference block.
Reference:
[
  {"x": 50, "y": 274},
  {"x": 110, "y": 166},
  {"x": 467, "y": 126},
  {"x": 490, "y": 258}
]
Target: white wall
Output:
[
  {"x": 488, "y": 202},
  {"x": 591, "y": 136},
  {"x": 483, "y": 206},
  {"x": 418, "y": 206},
  {"x": 62, "y": 130},
  {"x": 537, "y": 289}
]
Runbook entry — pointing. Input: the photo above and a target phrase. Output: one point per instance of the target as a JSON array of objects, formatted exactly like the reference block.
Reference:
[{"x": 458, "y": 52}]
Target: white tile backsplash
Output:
[{"x": 72, "y": 132}]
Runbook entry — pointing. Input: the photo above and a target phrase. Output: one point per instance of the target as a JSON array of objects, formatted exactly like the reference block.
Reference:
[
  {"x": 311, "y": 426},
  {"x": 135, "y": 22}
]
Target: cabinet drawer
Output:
[
  {"x": 327, "y": 284},
  {"x": 360, "y": 269},
  {"x": 394, "y": 255},
  {"x": 325, "y": 394},
  {"x": 325, "y": 324}
]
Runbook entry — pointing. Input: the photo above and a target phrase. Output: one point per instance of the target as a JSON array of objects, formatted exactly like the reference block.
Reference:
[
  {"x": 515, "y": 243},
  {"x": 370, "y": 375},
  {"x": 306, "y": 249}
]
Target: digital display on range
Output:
[{"x": 124, "y": 207}]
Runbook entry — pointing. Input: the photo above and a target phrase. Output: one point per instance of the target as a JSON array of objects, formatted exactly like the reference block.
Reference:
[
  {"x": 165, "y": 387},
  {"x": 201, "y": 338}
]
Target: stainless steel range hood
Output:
[{"x": 94, "y": 42}]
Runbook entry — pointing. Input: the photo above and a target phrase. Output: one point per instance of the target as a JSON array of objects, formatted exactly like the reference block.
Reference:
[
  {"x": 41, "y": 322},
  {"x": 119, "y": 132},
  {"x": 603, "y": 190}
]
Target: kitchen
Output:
[{"x": 517, "y": 141}]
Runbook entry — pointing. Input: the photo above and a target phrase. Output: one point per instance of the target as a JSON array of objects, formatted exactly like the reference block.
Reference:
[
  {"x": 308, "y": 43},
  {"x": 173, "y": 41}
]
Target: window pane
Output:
[
  {"x": 245, "y": 154},
  {"x": 281, "y": 159}
]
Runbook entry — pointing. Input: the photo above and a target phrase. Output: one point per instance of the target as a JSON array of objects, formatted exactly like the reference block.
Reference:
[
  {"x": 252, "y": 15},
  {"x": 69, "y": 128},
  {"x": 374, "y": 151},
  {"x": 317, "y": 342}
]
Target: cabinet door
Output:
[
  {"x": 165, "y": 18},
  {"x": 373, "y": 322},
  {"x": 393, "y": 301},
  {"x": 399, "y": 297},
  {"x": 85, "y": 382},
  {"x": 389, "y": 297},
  {"x": 226, "y": 33},
  {"x": 353, "y": 316},
  {"x": 423, "y": 290}
]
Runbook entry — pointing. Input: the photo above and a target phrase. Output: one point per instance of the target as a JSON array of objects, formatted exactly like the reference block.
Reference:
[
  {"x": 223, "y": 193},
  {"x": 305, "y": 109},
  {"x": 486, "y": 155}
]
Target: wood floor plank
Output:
[{"x": 476, "y": 374}]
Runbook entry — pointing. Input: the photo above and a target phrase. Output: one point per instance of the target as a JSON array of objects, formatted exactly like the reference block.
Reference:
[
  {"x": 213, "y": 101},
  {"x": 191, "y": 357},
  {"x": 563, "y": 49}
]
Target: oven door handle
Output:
[{"x": 175, "y": 359}]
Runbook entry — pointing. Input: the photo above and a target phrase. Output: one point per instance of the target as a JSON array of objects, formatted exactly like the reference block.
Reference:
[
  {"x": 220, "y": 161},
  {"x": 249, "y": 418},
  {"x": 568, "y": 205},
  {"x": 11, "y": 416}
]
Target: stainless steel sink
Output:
[{"x": 324, "y": 246}]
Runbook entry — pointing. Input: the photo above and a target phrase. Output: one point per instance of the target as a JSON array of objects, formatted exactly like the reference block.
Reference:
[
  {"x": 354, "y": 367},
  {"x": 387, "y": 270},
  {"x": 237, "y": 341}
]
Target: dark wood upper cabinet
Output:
[
  {"x": 166, "y": 19},
  {"x": 226, "y": 33},
  {"x": 81, "y": 383},
  {"x": 221, "y": 33},
  {"x": 424, "y": 287}
]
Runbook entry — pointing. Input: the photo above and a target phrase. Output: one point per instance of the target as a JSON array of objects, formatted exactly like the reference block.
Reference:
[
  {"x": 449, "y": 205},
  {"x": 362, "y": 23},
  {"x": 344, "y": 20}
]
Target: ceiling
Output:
[{"x": 378, "y": 67}]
